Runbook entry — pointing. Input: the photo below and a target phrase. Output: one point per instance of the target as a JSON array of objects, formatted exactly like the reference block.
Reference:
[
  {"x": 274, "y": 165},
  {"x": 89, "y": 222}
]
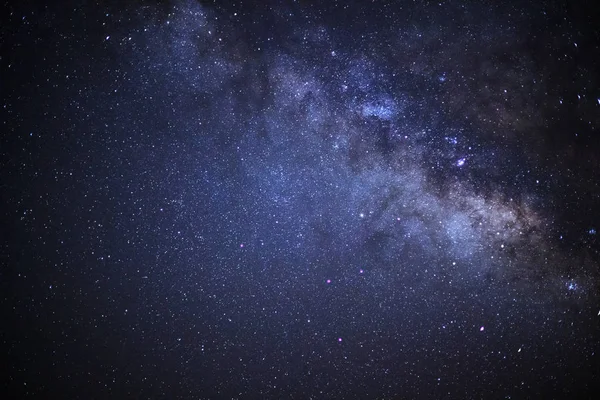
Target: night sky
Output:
[{"x": 300, "y": 200}]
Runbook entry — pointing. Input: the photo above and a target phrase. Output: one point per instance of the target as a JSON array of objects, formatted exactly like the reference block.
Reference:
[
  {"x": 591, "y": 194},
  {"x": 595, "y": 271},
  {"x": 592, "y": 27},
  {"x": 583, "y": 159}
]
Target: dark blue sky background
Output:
[{"x": 300, "y": 200}]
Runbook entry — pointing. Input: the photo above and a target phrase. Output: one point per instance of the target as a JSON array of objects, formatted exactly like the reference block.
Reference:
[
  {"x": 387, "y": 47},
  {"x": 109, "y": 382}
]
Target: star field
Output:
[{"x": 387, "y": 200}]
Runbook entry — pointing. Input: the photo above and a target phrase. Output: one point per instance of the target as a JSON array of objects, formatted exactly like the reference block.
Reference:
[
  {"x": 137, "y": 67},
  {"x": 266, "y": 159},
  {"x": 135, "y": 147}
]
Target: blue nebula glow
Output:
[{"x": 384, "y": 109}]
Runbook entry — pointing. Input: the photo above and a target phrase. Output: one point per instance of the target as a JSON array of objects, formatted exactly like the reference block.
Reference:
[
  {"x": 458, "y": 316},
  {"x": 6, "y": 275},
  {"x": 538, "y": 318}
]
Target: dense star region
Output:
[{"x": 300, "y": 200}]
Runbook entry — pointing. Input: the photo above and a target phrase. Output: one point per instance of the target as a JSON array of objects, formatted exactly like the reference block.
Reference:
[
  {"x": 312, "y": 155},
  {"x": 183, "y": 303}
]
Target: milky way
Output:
[{"x": 301, "y": 201}]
